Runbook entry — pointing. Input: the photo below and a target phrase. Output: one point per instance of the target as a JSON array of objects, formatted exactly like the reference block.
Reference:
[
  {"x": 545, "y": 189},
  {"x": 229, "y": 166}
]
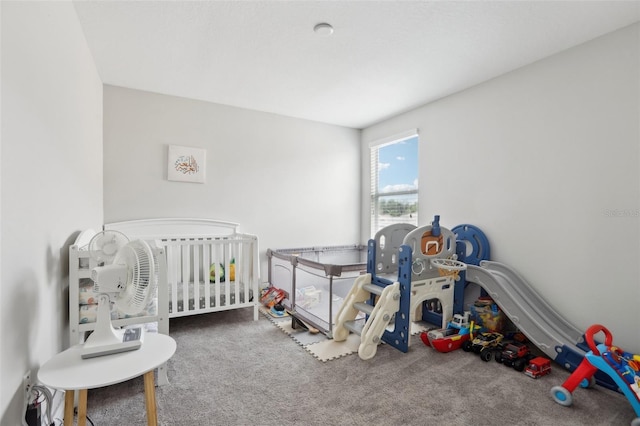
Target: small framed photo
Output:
[{"x": 187, "y": 164}]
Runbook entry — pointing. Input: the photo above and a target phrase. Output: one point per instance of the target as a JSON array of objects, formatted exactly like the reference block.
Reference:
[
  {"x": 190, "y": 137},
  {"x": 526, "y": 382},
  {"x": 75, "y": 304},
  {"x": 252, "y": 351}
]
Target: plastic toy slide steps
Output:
[{"x": 378, "y": 318}]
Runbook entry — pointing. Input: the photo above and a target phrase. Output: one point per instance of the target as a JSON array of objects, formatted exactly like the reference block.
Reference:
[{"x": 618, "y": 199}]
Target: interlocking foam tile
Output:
[
  {"x": 271, "y": 317},
  {"x": 300, "y": 335},
  {"x": 319, "y": 345},
  {"x": 330, "y": 349},
  {"x": 417, "y": 328}
]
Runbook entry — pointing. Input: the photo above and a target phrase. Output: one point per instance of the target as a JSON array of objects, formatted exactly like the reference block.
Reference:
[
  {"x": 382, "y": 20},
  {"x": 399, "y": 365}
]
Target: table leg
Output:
[
  {"x": 150, "y": 398},
  {"x": 68, "y": 407},
  {"x": 82, "y": 408}
]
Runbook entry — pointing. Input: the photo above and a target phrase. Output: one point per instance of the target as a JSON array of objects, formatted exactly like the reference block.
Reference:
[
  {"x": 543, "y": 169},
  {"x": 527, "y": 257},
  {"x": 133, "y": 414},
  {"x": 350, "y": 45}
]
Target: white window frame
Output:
[{"x": 374, "y": 176}]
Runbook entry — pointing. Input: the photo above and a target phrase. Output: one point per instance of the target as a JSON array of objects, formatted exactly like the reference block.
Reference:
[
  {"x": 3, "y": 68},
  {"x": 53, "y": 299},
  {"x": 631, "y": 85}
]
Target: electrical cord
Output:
[
  {"x": 48, "y": 398},
  {"x": 75, "y": 412},
  {"x": 40, "y": 394}
]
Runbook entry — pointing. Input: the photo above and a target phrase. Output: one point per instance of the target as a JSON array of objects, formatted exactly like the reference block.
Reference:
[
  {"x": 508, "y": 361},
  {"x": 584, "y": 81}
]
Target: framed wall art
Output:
[{"x": 186, "y": 164}]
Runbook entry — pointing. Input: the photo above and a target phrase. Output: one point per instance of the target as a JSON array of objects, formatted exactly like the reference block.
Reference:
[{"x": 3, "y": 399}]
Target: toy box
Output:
[{"x": 487, "y": 315}]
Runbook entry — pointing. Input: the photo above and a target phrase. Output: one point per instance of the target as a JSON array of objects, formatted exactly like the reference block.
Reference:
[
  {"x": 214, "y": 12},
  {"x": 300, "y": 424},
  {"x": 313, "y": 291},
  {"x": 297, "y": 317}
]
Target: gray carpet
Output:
[{"x": 231, "y": 370}]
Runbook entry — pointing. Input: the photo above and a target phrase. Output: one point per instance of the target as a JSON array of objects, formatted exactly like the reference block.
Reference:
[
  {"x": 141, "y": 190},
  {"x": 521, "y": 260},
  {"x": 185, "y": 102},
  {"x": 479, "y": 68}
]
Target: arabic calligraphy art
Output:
[{"x": 186, "y": 164}]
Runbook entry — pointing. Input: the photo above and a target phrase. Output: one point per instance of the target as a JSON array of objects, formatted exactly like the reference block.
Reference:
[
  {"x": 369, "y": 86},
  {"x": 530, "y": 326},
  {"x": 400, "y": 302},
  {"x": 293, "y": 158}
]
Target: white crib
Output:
[
  {"x": 188, "y": 248},
  {"x": 191, "y": 247}
]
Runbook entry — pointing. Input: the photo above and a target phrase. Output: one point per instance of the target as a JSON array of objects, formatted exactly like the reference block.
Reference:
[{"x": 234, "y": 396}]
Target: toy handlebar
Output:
[{"x": 592, "y": 331}]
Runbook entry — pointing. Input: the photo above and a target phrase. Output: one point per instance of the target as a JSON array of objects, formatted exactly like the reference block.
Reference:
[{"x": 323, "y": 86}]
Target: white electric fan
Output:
[{"x": 129, "y": 281}]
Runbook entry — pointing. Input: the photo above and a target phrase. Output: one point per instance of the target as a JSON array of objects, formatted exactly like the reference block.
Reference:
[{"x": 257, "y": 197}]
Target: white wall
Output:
[
  {"x": 51, "y": 180},
  {"x": 291, "y": 182},
  {"x": 545, "y": 160}
]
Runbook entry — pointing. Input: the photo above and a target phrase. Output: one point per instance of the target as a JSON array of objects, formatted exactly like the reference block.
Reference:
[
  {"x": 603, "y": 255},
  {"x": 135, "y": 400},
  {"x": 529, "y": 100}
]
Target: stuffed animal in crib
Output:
[{"x": 219, "y": 269}]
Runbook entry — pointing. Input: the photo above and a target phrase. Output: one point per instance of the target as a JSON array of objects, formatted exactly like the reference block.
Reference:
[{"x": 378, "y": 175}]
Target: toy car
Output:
[
  {"x": 484, "y": 344},
  {"x": 516, "y": 355},
  {"x": 538, "y": 367}
]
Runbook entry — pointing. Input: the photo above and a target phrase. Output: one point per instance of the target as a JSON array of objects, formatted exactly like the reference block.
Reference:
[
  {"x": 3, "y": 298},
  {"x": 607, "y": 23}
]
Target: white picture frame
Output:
[{"x": 186, "y": 164}]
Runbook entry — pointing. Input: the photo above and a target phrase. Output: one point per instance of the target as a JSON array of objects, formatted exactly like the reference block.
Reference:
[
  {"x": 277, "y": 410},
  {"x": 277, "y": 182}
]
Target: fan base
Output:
[
  {"x": 110, "y": 349},
  {"x": 131, "y": 339}
]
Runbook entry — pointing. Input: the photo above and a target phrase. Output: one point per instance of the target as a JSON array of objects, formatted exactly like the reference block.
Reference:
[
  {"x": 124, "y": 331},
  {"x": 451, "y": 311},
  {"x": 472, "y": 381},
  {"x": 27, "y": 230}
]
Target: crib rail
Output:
[{"x": 211, "y": 274}]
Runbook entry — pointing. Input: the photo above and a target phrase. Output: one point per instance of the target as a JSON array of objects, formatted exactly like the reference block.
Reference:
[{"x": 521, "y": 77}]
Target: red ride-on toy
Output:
[{"x": 623, "y": 367}]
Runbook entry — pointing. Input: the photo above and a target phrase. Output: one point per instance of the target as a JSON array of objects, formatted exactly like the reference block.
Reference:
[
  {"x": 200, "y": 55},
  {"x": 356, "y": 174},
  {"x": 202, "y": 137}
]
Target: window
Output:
[{"x": 394, "y": 181}]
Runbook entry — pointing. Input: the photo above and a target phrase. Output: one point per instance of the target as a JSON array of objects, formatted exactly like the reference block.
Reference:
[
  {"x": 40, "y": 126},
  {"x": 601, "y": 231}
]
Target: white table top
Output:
[{"x": 69, "y": 371}]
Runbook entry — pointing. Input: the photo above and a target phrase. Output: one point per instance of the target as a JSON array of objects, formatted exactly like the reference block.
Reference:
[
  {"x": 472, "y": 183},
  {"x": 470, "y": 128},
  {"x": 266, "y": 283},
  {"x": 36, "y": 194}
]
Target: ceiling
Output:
[{"x": 383, "y": 58}]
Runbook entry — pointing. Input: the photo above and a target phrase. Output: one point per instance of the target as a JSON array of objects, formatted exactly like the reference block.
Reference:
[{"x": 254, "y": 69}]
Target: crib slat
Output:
[
  {"x": 226, "y": 253},
  {"x": 172, "y": 275},
  {"x": 250, "y": 278},
  {"x": 196, "y": 269},
  {"x": 233, "y": 251},
  {"x": 186, "y": 297},
  {"x": 241, "y": 293},
  {"x": 216, "y": 250},
  {"x": 246, "y": 279},
  {"x": 240, "y": 289},
  {"x": 206, "y": 262}
]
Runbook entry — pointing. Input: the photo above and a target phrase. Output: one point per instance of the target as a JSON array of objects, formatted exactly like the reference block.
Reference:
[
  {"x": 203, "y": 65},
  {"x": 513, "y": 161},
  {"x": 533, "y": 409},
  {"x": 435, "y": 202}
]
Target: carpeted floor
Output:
[{"x": 231, "y": 370}]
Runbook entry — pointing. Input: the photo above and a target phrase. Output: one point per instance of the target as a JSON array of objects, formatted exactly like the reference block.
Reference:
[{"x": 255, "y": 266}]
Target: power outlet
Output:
[{"x": 26, "y": 387}]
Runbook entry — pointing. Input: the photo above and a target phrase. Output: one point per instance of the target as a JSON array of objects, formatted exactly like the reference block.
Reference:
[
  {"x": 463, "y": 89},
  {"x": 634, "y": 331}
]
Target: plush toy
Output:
[
  {"x": 232, "y": 270},
  {"x": 220, "y": 272}
]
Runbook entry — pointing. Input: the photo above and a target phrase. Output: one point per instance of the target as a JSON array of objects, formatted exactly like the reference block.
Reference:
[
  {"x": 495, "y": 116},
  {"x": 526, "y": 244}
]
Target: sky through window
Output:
[{"x": 398, "y": 166}]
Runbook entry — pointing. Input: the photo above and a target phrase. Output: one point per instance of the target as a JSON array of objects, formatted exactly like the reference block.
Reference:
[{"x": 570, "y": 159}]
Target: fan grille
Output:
[
  {"x": 104, "y": 246},
  {"x": 142, "y": 277}
]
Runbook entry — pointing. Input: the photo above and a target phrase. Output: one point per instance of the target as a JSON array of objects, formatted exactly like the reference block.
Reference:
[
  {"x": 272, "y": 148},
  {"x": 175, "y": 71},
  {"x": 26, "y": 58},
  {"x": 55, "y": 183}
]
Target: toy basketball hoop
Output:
[{"x": 449, "y": 267}]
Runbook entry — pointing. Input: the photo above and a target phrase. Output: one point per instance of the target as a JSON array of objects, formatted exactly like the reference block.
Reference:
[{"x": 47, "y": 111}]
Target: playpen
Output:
[{"x": 316, "y": 280}]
